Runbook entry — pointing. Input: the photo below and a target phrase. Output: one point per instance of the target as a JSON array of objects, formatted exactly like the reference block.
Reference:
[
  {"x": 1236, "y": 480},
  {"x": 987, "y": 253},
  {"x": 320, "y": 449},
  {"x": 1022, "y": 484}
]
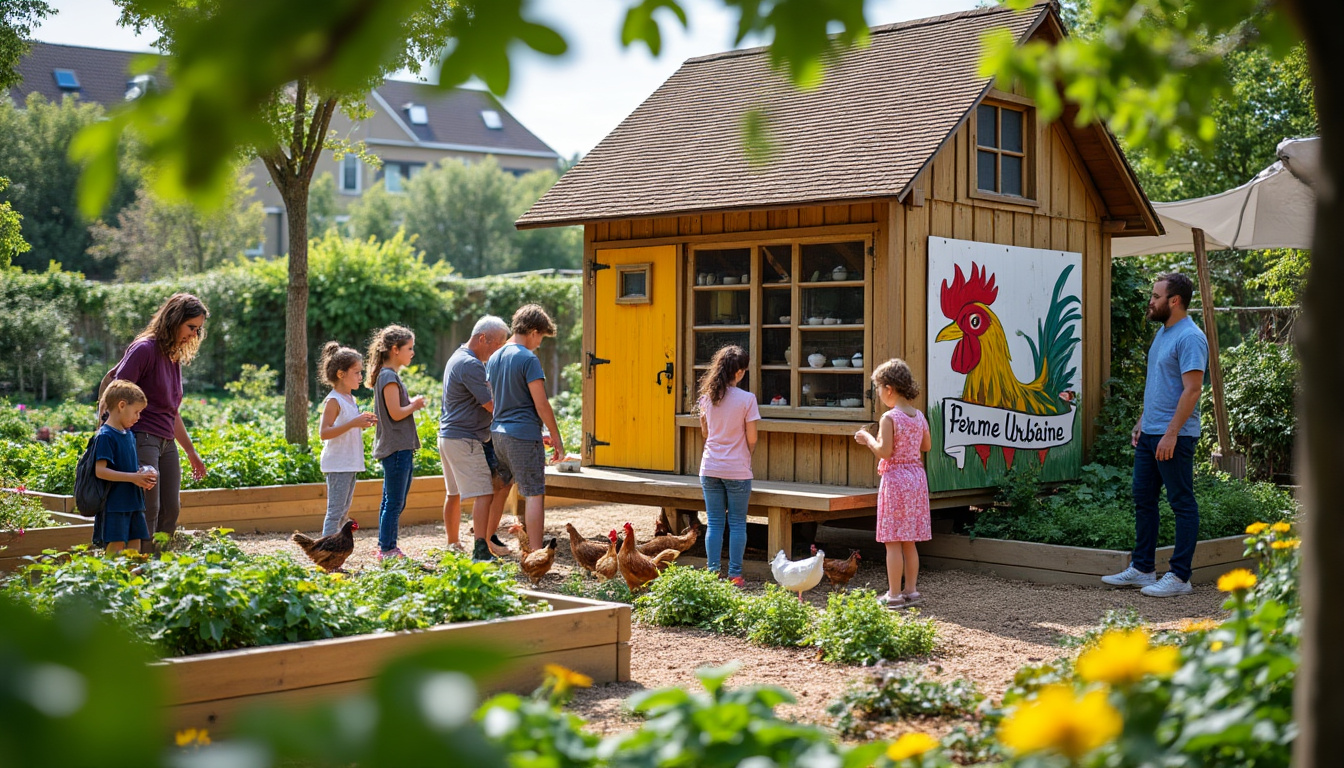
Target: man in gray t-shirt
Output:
[
  {"x": 465, "y": 412},
  {"x": 1164, "y": 441}
]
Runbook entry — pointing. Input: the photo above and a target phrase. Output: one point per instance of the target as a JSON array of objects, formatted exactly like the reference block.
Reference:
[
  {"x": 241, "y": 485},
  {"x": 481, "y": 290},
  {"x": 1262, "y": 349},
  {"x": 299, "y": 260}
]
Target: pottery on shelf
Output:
[
  {"x": 840, "y": 362},
  {"x": 816, "y": 360},
  {"x": 784, "y": 319},
  {"x": 745, "y": 279},
  {"x": 832, "y": 321},
  {"x": 788, "y": 355},
  {"x": 839, "y": 273},
  {"x": 779, "y": 400},
  {"x": 815, "y": 320},
  {"x": 730, "y": 280},
  {"x": 700, "y": 279},
  {"x": 851, "y": 402},
  {"x": 857, "y": 360},
  {"x": 711, "y": 278}
]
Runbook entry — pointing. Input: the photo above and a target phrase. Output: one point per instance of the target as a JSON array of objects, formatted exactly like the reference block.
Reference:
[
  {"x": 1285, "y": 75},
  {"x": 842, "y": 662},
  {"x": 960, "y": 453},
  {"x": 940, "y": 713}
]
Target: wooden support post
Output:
[
  {"x": 780, "y": 532},
  {"x": 1225, "y": 459}
]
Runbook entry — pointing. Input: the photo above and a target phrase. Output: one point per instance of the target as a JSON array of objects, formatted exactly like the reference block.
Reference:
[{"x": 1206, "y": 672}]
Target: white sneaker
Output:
[
  {"x": 1130, "y": 577},
  {"x": 1169, "y": 586}
]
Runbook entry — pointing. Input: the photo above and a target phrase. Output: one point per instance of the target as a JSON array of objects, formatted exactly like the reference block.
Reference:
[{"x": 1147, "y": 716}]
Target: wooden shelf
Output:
[
  {"x": 829, "y": 369},
  {"x": 774, "y": 285},
  {"x": 726, "y": 328},
  {"x": 840, "y": 327},
  {"x": 736, "y": 287},
  {"x": 813, "y": 426},
  {"x": 831, "y": 284},
  {"x": 776, "y": 326},
  {"x": 776, "y": 367}
]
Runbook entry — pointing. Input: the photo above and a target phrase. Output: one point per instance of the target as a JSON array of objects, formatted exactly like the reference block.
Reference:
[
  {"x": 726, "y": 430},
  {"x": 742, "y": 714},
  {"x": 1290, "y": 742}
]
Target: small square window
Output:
[
  {"x": 66, "y": 79},
  {"x": 491, "y": 119},
  {"x": 634, "y": 283},
  {"x": 350, "y": 173}
]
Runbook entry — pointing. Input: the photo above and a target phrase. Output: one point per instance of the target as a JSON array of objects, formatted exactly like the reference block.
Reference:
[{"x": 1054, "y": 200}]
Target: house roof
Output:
[
  {"x": 454, "y": 116},
  {"x": 866, "y": 132}
]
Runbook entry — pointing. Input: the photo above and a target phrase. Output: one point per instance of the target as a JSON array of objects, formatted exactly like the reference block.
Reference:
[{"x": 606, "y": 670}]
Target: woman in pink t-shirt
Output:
[{"x": 728, "y": 417}]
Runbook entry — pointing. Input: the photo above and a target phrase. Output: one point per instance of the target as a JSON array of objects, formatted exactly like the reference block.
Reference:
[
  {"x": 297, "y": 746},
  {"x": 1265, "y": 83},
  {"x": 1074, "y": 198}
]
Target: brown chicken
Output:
[
  {"x": 586, "y": 553},
  {"x": 607, "y": 568},
  {"x": 535, "y": 563},
  {"x": 329, "y": 552},
  {"x": 837, "y": 571},
  {"x": 638, "y": 568},
  {"x": 664, "y": 539}
]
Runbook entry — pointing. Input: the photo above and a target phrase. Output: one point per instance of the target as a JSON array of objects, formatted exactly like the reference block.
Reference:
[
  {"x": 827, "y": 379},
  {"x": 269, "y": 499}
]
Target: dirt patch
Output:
[{"x": 988, "y": 627}]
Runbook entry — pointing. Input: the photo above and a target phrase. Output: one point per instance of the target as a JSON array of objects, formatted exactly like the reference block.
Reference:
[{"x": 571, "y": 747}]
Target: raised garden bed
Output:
[
  {"x": 1056, "y": 564},
  {"x": 584, "y": 635}
]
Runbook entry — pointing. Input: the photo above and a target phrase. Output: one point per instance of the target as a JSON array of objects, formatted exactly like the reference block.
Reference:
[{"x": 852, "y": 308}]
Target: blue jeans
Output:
[
  {"x": 396, "y": 484},
  {"x": 1178, "y": 475},
  {"x": 726, "y": 499}
]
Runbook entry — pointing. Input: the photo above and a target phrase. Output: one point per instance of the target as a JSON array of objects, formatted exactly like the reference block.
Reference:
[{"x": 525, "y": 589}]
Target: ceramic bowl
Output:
[
  {"x": 851, "y": 402},
  {"x": 815, "y": 320},
  {"x": 784, "y": 319},
  {"x": 840, "y": 362},
  {"x": 816, "y": 360},
  {"x": 839, "y": 273},
  {"x": 832, "y": 321},
  {"x": 730, "y": 280}
]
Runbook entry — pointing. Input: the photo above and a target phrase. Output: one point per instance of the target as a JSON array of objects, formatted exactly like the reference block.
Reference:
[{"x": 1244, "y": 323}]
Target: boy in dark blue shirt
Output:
[{"x": 122, "y": 523}]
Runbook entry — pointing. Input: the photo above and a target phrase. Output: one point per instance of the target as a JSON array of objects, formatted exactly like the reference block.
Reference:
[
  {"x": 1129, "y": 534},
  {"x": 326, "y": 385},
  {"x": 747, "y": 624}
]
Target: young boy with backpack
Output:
[{"x": 121, "y": 523}]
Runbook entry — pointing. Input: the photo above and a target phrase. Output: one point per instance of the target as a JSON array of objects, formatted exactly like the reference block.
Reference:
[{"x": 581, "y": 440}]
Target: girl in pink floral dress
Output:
[{"x": 903, "y": 497}]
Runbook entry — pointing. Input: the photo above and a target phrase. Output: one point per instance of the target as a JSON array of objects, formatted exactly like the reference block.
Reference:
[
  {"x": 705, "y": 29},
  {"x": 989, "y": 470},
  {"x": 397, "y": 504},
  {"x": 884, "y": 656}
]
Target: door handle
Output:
[{"x": 667, "y": 371}]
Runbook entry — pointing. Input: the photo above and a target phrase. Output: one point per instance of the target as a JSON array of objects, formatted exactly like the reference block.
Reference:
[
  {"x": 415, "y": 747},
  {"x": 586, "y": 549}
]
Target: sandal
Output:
[
  {"x": 894, "y": 602},
  {"x": 913, "y": 598}
]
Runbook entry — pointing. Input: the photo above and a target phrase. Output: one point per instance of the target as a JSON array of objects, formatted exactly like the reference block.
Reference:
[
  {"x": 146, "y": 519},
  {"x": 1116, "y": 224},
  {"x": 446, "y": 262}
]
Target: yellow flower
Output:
[
  {"x": 1256, "y": 529},
  {"x": 1216, "y": 645},
  {"x": 1281, "y": 527},
  {"x": 1286, "y": 544},
  {"x": 190, "y": 736},
  {"x": 565, "y": 679},
  {"x": 1236, "y": 580},
  {"x": 910, "y": 745},
  {"x": 1124, "y": 658},
  {"x": 1060, "y": 721},
  {"x": 1202, "y": 625}
]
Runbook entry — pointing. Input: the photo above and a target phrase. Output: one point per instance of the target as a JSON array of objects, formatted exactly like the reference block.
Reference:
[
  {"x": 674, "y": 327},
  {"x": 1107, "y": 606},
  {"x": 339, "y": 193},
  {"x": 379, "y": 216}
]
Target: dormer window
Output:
[
  {"x": 66, "y": 79},
  {"x": 138, "y": 86},
  {"x": 1004, "y": 155},
  {"x": 418, "y": 114},
  {"x": 491, "y": 119}
]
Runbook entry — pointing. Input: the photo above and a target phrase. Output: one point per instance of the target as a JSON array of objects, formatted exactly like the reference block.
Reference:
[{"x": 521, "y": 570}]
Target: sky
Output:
[{"x": 571, "y": 102}]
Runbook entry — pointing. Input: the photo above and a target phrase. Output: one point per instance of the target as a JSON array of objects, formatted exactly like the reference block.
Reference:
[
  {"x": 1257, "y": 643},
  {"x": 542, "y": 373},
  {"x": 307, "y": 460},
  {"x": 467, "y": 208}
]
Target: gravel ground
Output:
[{"x": 988, "y": 627}]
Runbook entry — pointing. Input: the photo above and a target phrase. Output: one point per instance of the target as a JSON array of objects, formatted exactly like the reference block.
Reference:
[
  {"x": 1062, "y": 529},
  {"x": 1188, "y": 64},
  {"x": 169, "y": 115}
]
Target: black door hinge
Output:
[
  {"x": 593, "y": 362},
  {"x": 590, "y": 442},
  {"x": 594, "y": 267}
]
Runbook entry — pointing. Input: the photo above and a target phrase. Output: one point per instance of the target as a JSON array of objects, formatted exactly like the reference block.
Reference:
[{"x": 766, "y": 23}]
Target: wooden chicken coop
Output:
[{"x": 905, "y": 208}]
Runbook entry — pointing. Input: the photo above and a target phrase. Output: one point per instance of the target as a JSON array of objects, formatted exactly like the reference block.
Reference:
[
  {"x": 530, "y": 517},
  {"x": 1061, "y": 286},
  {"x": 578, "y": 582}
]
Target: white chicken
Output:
[{"x": 800, "y": 576}]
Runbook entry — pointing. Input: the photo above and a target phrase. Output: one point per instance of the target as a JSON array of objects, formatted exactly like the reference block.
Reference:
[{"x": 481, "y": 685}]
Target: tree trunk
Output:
[
  {"x": 296, "y": 317},
  {"x": 1319, "y": 705}
]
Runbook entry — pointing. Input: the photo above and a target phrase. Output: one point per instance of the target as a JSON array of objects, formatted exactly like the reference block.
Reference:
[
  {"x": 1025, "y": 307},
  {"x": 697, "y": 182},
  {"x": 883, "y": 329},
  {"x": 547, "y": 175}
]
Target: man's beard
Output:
[{"x": 1160, "y": 313}]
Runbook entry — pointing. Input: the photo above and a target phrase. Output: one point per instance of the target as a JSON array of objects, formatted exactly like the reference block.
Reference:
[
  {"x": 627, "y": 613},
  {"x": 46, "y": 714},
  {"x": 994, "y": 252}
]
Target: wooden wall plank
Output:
[
  {"x": 983, "y": 228},
  {"x": 811, "y": 216},
  {"x": 835, "y": 459},
  {"x": 777, "y": 219},
  {"x": 1059, "y": 176},
  {"x": 943, "y": 185},
  {"x": 780, "y": 465},
  {"x": 940, "y": 218},
  {"x": 641, "y": 228},
  {"x": 862, "y": 213},
  {"x": 711, "y": 223},
  {"x": 916, "y": 259},
  {"x": 1040, "y": 231},
  {"x": 835, "y": 214},
  {"x": 963, "y": 221},
  {"x": 1003, "y": 227},
  {"x": 665, "y": 226},
  {"x": 759, "y": 220},
  {"x": 1059, "y": 234},
  {"x": 1022, "y": 235},
  {"x": 807, "y": 458},
  {"x": 862, "y": 466},
  {"x": 620, "y": 230},
  {"x": 601, "y": 230},
  {"x": 737, "y": 222},
  {"x": 760, "y": 458}
]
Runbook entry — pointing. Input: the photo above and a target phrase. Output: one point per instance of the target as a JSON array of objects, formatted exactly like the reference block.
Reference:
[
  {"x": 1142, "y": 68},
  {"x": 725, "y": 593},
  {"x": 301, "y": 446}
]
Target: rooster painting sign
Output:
[{"x": 1004, "y": 355}]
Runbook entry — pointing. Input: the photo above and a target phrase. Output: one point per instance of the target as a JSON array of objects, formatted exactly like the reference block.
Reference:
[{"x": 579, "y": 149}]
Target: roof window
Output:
[
  {"x": 417, "y": 113},
  {"x": 138, "y": 86},
  {"x": 491, "y": 118},
  {"x": 66, "y": 79}
]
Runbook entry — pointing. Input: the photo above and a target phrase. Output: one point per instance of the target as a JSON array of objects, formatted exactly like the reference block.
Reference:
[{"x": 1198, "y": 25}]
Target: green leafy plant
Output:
[
  {"x": 856, "y": 629},
  {"x": 893, "y": 693},
  {"x": 777, "y": 618},
  {"x": 577, "y": 584},
  {"x": 690, "y": 597},
  {"x": 20, "y": 510}
]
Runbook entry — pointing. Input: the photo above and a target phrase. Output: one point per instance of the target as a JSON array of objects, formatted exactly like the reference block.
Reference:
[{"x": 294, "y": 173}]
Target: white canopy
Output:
[{"x": 1276, "y": 209}]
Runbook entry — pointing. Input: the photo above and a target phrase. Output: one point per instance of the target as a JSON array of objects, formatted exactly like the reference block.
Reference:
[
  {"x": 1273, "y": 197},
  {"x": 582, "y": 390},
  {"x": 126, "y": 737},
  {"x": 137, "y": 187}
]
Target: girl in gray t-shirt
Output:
[{"x": 395, "y": 440}]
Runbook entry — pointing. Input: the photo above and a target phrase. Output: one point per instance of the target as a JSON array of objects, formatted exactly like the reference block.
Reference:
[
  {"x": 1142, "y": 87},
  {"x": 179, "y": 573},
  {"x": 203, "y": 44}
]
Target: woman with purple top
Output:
[{"x": 154, "y": 363}]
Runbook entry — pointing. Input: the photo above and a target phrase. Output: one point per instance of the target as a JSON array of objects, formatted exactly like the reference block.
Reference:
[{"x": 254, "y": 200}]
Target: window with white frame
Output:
[{"x": 351, "y": 173}]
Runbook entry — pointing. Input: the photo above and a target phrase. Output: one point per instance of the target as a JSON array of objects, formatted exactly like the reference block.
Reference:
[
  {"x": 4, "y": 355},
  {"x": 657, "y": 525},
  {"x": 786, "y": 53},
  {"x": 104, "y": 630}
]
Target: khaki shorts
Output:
[{"x": 465, "y": 471}]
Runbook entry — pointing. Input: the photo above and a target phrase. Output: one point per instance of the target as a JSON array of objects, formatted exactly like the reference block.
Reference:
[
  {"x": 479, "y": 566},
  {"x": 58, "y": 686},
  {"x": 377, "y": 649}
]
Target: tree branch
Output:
[{"x": 296, "y": 147}]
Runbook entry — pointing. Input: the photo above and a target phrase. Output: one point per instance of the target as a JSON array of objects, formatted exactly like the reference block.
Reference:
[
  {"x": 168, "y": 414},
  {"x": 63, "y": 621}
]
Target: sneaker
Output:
[
  {"x": 1170, "y": 586},
  {"x": 1130, "y": 577},
  {"x": 384, "y": 554},
  {"x": 888, "y": 600},
  {"x": 481, "y": 553},
  {"x": 738, "y": 581}
]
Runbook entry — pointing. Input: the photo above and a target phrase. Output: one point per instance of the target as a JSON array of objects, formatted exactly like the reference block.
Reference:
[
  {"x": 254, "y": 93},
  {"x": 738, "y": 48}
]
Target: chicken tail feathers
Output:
[{"x": 302, "y": 540}]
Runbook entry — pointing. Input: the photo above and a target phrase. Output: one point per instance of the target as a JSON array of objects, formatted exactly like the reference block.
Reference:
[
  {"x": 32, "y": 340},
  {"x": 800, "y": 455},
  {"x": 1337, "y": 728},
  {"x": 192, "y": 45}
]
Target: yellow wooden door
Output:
[{"x": 635, "y": 314}]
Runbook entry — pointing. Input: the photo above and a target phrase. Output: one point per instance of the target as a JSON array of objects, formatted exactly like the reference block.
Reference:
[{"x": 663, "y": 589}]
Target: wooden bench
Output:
[{"x": 781, "y": 503}]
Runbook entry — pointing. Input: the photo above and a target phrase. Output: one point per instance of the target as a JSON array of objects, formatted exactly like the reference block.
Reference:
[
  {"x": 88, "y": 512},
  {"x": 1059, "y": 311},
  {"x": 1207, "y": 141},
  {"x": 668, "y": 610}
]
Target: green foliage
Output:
[
  {"x": 1131, "y": 334},
  {"x": 212, "y": 597},
  {"x": 690, "y": 597},
  {"x": 40, "y": 356},
  {"x": 1285, "y": 278},
  {"x": 777, "y": 618},
  {"x": 11, "y": 231},
  {"x": 240, "y": 457},
  {"x": 892, "y": 694},
  {"x": 20, "y": 510},
  {"x": 1098, "y": 510},
  {"x": 34, "y": 156},
  {"x": 154, "y": 239},
  {"x": 1260, "y": 387},
  {"x": 253, "y": 383},
  {"x": 375, "y": 214},
  {"x": 322, "y": 208},
  {"x": 856, "y": 629},
  {"x": 17, "y": 20},
  {"x": 578, "y": 584}
]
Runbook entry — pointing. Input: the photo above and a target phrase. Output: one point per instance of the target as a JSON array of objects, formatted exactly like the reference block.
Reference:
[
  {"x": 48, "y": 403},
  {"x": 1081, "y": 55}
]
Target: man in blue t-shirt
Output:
[
  {"x": 521, "y": 407},
  {"x": 1164, "y": 440}
]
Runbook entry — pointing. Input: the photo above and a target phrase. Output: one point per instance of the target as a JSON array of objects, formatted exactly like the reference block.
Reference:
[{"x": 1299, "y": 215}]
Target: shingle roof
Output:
[
  {"x": 455, "y": 117},
  {"x": 103, "y": 74},
  {"x": 866, "y": 132}
]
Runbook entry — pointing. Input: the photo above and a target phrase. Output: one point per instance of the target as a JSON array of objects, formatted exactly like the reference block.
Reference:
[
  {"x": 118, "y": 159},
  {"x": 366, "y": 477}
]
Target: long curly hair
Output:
[
  {"x": 164, "y": 326},
  {"x": 722, "y": 370},
  {"x": 380, "y": 346},
  {"x": 335, "y": 360},
  {"x": 896, "y": 374}
]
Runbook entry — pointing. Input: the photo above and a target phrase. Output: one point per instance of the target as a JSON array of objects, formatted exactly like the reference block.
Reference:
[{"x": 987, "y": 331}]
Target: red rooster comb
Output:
[{"x": 963, "y": 291}]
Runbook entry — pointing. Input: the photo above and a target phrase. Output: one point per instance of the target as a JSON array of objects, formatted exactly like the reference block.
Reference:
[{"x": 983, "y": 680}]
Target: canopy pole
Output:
[{"x": 1225, "y": 459}]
